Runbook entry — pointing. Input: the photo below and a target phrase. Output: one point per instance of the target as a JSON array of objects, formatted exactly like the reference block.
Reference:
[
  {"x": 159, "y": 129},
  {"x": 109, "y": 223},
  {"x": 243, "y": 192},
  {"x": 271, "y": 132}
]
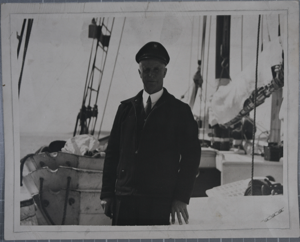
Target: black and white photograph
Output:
[{"x": 150, "y": 120}]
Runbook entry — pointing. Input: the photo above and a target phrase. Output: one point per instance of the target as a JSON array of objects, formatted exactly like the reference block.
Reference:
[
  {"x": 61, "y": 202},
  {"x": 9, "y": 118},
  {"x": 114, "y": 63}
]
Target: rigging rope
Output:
[
  {"x": 20, "y": 37},
  {"x": 262, "y": 34},
  {"x": 190, "y": 64},
  {"x": 104, "y": 63},
  {"x": 28, "y": 32},
  {"x": 202, "y": 56},
  {"x": 204, "y": 115},
  {"x": 103, "y": 67},
  {"x": 94, "y": 65},
  {"x": 269, "y": 37},
  {"x": 91, "y": 75},
  {"x": 279, "y": 34},
  {"x": 198, "y": 46},
  {"x": 203, "y": 39},
  {"x": 87, "y": 74},
  {"x": 88, "y": 115},
  {"x": 242, "y": 39},
  {"x": 111, "y": 79},
  {"x": 254, "y": 118}
]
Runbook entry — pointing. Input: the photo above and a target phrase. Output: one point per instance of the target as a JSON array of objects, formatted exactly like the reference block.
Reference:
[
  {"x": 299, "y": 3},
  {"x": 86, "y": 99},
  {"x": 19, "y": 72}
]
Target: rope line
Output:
[
  {"x": 202, "y": 57},
  {"x": 111, "y": 79},
  {"x": 203, "y": 40},
  {"x": 87, "y": 74},
  {"x": 191, "y": 52},
  {"x": 267, "y": 21},
  {"x": 198, "y": 53},
  {"x": 279, "y": 31},
  {"x": 98, "y": 90},
  {"x": 20, "y": 37},
  {"x": 27, "y": 37},
  {"x": 90, "y": 85},
  {"x": 262, "y": 34},
  {"x": 242, "y": 39},
  {"x": 254, "y": 118},
  {"x": 207, "y": 64}
]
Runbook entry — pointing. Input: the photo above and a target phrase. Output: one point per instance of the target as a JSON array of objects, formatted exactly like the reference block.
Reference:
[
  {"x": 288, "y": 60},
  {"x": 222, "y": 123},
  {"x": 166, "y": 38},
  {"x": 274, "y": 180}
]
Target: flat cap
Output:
[{"x": 153, "y": 50}]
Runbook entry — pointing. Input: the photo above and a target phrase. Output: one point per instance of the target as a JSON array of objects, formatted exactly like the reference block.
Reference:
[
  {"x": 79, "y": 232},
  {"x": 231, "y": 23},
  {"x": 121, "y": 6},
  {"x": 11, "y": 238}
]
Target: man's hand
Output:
[
  {"x": 180, "y": 208},
  {"x": 107, "y": 205}
]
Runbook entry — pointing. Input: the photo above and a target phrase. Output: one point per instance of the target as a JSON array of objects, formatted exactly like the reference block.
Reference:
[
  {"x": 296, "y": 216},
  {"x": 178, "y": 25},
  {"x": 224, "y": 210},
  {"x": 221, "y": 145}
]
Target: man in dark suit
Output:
[{"x": 153, "y": 153}]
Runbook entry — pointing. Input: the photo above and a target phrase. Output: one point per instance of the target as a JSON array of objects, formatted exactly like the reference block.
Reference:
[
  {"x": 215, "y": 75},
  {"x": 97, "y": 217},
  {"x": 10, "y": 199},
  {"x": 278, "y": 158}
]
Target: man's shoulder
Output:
[
  {"x": 175, "y": 101},
  {"x": 135, "y": 98}
]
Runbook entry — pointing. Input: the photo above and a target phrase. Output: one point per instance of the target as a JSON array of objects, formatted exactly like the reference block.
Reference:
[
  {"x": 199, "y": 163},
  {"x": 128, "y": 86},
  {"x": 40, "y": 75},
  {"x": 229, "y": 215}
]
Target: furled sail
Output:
[{"x": 228, "y": 101}]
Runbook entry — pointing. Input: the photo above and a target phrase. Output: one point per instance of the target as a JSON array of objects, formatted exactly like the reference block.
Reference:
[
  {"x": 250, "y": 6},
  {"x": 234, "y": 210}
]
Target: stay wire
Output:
[
  {"x": 87, "y": 75},
  {"x": 198, "y": 45},
  {"x": 90, "y": 85},
  {"x": 242, "y": 39},
  {"x": 28, "y": 32},
  {"x": 202, "y": 56},
  {"x": 262, "y": 34},
  {"x": 98, "y": 90},
  {"x": 207, "y": 64},
  {"x": 190, "y": 63},
  {"x": 255, "y": 93}
]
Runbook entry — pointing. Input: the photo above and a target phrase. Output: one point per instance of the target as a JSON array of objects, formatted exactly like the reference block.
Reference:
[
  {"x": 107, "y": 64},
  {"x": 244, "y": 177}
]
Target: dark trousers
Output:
[{"x": 137, "y": 210}]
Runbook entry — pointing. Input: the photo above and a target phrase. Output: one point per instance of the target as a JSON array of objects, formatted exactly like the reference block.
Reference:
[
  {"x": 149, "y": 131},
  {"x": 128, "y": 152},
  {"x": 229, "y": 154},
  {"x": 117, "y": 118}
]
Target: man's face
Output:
[{"x": 152, "y": 73}]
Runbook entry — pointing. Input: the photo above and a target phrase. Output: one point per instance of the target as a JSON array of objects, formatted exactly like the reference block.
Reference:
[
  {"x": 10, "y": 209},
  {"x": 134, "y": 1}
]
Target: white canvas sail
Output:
[{"x": 228, "y": 100}]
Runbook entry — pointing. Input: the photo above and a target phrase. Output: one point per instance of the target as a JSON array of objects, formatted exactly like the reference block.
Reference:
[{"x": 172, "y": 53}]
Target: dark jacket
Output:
[{"x": 161, "y": 160}]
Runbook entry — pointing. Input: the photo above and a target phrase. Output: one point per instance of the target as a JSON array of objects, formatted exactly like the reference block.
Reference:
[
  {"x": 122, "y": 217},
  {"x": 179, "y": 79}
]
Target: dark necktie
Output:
[{"x": 148, "y": 106}]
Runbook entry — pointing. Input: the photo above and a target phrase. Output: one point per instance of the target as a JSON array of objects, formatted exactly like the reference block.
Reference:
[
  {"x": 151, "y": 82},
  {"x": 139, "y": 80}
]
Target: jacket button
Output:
[{"x": 136, "y": 151}]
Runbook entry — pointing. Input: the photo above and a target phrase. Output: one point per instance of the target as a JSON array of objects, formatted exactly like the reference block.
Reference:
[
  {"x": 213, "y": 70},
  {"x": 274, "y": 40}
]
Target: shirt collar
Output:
[{"x": 154, "y": 97}]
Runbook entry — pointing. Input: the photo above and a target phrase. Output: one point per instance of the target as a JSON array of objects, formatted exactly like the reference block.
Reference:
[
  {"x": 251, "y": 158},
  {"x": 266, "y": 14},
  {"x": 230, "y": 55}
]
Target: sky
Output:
[{"x": 59, "y": 50}]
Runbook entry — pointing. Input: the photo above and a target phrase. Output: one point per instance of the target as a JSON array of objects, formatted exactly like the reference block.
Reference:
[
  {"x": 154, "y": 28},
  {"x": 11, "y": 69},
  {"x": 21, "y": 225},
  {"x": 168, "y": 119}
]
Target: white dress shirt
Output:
[{"x": 154, "y": 97}]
